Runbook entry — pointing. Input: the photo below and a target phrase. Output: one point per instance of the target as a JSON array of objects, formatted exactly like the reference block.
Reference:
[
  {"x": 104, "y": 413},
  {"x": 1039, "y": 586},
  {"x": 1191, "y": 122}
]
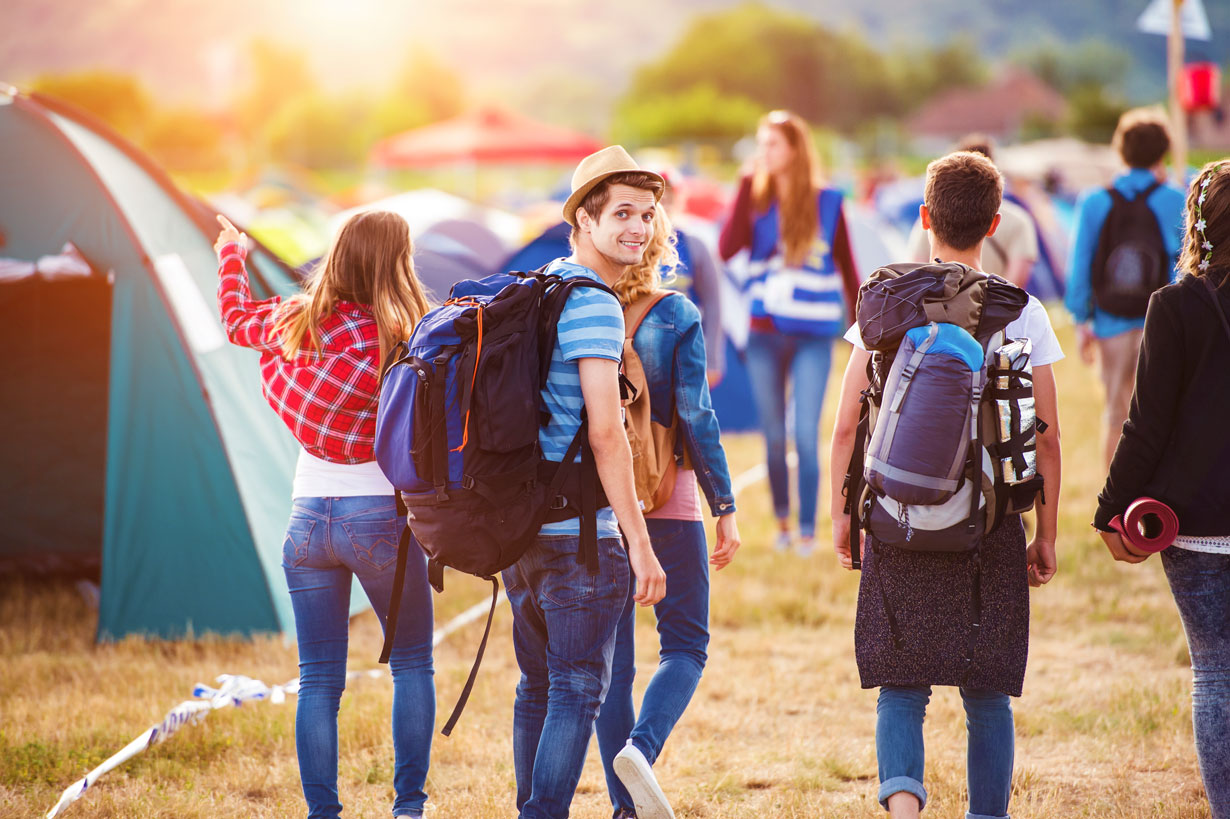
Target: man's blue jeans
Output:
[
  {"x": 771, "y": 359},
  {"x": 329, "y": 540},
  {"x": 989, "y": 749},
  {"x": 1200, "y": 583},
  {"x": 683, "y": 634},
  {"x": 564, "y": 622}
]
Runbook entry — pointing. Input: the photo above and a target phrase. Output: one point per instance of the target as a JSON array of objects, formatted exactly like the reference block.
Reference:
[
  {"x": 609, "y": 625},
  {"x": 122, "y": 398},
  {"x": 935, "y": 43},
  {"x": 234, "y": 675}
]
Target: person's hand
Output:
[
  {"x": 229, "y": 234},
  {"x": 1085, "y": 343},
  {"x": 714, "y": 377},
  {"x": 841, "y": 540},
  {"x": 650, "y": 579},
  {"x": 1040, "y": 561},
  {"x": 727, "y": 542},
  {"x": 1119, "y": 550}
]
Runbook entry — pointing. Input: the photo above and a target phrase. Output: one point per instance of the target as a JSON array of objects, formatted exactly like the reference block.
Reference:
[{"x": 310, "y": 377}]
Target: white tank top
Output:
[{"x": 317, "y": 478}]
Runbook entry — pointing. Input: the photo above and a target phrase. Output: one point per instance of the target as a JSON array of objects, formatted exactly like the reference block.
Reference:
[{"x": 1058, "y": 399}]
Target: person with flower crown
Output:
[{"x": 1175, "y": 448}]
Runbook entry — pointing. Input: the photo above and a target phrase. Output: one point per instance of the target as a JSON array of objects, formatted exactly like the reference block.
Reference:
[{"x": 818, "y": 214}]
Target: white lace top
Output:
[{"x": 1213, "y": 544}]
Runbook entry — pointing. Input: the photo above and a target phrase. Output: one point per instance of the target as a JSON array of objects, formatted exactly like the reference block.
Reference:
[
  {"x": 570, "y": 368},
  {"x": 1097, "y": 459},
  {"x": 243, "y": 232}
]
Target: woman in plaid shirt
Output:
[{"x": 321, "y": 354}]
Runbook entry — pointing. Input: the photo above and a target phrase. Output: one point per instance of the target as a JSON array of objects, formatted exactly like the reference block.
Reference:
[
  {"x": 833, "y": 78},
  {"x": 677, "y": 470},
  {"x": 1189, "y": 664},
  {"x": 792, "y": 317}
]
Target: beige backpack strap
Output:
[{"x": 635, "y": 312}]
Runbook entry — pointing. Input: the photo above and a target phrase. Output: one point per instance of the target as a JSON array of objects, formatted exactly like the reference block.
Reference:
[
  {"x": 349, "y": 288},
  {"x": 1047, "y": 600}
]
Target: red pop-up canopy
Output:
[{"x": 488, "y": 135}]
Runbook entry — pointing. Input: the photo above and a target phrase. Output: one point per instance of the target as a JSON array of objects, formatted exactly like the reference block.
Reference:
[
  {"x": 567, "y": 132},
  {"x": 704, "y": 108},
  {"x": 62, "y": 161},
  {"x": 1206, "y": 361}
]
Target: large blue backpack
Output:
[{"x": 457, "y": 436}]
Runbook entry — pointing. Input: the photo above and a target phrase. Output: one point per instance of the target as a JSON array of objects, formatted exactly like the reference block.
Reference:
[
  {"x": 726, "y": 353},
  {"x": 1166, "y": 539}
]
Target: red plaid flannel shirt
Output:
[{"x": 328, "y": 399}]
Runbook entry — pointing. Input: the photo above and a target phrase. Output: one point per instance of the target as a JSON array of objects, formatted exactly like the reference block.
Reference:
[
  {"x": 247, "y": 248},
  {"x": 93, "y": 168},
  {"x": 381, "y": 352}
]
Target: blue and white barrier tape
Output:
[{"x": 235, "y": 690}]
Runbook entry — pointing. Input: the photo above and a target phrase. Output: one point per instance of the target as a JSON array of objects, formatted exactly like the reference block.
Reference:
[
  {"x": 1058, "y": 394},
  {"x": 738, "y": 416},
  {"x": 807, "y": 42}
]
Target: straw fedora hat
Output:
[{"x": 595, "y": 168}]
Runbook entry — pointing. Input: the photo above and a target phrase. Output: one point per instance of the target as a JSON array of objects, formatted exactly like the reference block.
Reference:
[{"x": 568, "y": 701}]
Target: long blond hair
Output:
[
  {"x": 661, "y": 256},
  {"x": 1213, "y": 183},
  {"x": 798, "y": 218},
  {"x": 369, "y": 263}
]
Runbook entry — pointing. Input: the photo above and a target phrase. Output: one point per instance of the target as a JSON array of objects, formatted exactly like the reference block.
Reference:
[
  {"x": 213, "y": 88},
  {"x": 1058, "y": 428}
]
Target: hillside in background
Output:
[{"x": 553, "y": 56}]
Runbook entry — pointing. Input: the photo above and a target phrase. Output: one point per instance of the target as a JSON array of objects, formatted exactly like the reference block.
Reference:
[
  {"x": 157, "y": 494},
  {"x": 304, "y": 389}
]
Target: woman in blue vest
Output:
[{"x": 802, "y": 284}]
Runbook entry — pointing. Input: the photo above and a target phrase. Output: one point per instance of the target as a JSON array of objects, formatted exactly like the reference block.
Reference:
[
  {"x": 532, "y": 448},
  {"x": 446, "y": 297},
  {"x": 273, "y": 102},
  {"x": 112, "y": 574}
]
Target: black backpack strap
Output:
[
  {"x": 482, "y": 648},
  {"x": 587, "y": 551},
  {"x": 852, "y": 487},
  {"x": 399, "y": 581},
  {"x": 439, "y": 446},
  {"x": 893, "y": 629},
  {"x": 975, "y": 611}
]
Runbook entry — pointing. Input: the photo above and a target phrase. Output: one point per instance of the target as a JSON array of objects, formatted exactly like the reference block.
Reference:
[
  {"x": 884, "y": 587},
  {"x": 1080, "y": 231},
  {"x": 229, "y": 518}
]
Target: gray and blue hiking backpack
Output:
[
  {"x": 945, "y": 446},
  {"x": 945, "y": 443}
]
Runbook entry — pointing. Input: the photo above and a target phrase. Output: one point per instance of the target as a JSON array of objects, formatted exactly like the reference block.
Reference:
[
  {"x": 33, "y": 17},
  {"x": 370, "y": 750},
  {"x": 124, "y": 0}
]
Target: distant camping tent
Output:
[
  {"x": 486, "y": 135},
  {"x": 134, "y": 433}
]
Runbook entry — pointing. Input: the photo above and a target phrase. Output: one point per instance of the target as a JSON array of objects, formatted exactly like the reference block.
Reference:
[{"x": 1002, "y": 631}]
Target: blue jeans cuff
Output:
[
  {"x": 984, "y": 816},
  {"x": 902, "y": 783}
]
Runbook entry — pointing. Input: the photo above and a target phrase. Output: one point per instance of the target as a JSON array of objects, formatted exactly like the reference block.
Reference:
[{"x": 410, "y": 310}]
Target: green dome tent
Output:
[{"x": 135, "y": 436}]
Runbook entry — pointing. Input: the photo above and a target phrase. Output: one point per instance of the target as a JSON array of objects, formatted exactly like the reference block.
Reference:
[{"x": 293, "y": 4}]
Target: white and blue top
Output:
[
  {"x": 805, "y": 299},
  {"x": 590, "y": 326}
]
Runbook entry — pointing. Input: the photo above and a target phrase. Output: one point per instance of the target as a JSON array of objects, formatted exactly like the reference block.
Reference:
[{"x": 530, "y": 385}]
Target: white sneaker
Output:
[
  {"x": 807, "y": 545},
  {"x": 783, "y": 542},
  {"x": 635, "y": 772}
]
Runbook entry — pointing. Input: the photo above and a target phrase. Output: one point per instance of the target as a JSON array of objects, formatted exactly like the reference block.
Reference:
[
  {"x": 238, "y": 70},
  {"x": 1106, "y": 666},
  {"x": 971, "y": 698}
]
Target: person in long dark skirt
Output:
[{"x": 931, "y": 593}]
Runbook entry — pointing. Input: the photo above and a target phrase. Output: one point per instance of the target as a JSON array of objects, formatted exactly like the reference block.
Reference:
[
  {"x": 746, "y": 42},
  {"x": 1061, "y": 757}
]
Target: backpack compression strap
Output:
[
  {"x": 399, "y": 581},
  {"x": 482, "y": 647},
  {"x": 853, "y": 484}
]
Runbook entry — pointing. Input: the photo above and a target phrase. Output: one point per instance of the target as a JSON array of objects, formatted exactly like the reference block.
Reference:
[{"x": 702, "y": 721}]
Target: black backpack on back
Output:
[
  {"x": 1131, "y": 260},
  {"x": 457, "y": 436}
]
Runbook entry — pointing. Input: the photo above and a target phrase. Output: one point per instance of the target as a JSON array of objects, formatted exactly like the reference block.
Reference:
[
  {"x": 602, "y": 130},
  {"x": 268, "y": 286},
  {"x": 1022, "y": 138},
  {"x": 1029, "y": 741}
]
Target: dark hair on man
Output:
[
  {"x": 963, "y": 194},
  {"x": 977, "y": 143},
  {"x": 1142, "y": 137},
  {"x": 596, "y": 199}
]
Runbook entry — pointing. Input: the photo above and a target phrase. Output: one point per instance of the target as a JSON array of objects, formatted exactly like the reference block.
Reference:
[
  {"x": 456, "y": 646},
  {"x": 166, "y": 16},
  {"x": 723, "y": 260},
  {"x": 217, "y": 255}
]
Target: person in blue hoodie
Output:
[{"x": 1142, "y": 138}]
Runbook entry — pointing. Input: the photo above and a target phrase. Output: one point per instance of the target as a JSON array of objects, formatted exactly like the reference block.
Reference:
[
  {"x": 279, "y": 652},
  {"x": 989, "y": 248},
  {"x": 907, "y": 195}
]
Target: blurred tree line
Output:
[
  {"x": 725, "y": 70},
  {"x": 282, "y": 115},
  {"x": 730, "y": 67}
]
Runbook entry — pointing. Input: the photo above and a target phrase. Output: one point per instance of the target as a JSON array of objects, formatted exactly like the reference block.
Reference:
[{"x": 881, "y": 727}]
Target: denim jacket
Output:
[{"x": 671, "y": 346}]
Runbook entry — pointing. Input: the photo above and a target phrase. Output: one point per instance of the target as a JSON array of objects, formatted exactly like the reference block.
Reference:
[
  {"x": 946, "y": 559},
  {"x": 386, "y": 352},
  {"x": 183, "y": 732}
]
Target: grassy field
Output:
[{"x": 779, "y": 726}]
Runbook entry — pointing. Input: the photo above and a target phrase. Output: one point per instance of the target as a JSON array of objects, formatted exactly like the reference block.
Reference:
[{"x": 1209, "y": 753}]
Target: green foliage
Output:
[
  {"x": 1072, "y": 69},
  {"x": 700, "y": 112},
  {"x": 316, "y": 131},
  {"x": 921, "y": 73},
  {"x": 1093, "y": 113},
  {"x": 774, "y": 59},
  {"x": 185, "y": 140},
  {"x": 119, "y": 100},
  {"x": 279, "y": 75}
]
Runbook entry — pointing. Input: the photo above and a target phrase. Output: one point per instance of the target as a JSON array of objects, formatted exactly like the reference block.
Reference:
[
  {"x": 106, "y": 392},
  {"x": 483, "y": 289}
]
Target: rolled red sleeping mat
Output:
[{"x": 1148, "y": 526}]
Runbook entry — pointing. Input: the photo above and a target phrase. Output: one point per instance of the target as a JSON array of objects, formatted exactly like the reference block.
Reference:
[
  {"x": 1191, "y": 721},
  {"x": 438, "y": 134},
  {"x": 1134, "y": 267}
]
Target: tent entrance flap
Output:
[{"x": 53, "y": 419}]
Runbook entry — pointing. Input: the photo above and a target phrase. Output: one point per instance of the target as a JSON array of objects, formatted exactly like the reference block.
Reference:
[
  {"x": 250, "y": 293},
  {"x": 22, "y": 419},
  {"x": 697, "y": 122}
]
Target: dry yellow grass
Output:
[{"x": 779, "y": 726}]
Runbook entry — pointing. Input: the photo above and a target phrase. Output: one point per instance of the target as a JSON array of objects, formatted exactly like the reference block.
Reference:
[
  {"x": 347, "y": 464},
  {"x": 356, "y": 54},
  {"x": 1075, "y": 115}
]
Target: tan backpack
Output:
[{"x": 653, "y": 445}]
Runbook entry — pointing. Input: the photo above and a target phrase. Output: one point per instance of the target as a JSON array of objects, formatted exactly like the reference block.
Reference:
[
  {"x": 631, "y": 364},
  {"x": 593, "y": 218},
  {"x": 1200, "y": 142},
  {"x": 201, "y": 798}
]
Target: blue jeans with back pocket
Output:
[
  {"x": 329, "y": 541},
  {"x": 564, "y": 625}
]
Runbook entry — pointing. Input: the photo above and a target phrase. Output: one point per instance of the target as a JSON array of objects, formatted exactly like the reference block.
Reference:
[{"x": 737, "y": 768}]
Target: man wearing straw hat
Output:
[{"x": 564, "y": 618}]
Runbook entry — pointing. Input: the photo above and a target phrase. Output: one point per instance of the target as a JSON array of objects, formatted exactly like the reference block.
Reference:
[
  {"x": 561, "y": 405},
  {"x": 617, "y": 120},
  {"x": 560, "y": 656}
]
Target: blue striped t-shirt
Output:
[{"x": 591, "y": 326}]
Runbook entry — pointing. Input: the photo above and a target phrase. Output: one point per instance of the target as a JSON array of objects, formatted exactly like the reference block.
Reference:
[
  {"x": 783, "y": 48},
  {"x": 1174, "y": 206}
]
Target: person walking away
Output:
[
  {"x": 1012, "y": 250},
  {"x": 321, "y": 355},
  {"x": 1120, "y": 253},
  {"x": 564, "y": 618},
  {"x": 913, "y": 627},
  {"x": 803, "y": 286},
  {"x": 671, "y": 346},
  {"x": 1175, "y": 447}
]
